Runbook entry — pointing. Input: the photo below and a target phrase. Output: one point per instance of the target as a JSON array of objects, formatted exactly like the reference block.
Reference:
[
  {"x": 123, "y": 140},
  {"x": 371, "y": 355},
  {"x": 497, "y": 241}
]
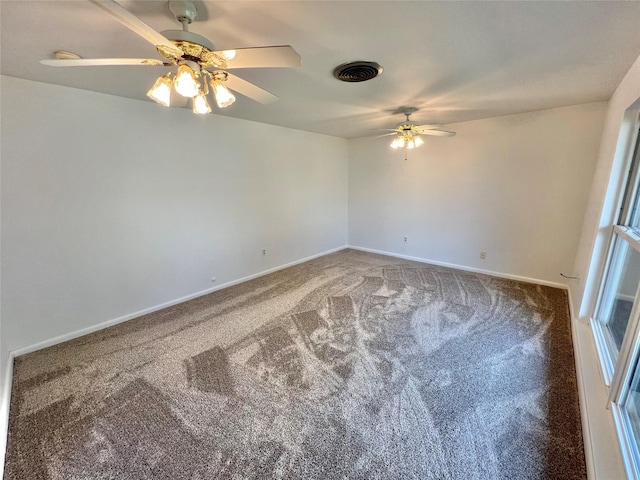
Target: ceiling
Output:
[{"x": 454, "y": 61}]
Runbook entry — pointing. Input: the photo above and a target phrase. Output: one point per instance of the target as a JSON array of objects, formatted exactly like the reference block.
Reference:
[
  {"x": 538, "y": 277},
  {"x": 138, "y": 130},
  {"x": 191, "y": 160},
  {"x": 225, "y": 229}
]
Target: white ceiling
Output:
[{"x": 455, "y": 61}]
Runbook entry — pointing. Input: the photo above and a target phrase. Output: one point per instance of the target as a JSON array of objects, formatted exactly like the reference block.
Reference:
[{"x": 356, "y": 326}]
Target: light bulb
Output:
[
  {"x": 161, "y": 91},
  {"x": 185, "y": 82},
  {"x": 224, "y": 97},
  {"x": 417, "y": 141},
  {"x": 397, "y": 142},
  {"x": 410, "y": 144},
  {"x": 200, "y": 104},
  {"x": 229, "y": 54}
]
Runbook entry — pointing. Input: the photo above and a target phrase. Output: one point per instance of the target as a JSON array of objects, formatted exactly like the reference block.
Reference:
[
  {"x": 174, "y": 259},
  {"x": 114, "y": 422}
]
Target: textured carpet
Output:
[{"x": 352, "y": 365}]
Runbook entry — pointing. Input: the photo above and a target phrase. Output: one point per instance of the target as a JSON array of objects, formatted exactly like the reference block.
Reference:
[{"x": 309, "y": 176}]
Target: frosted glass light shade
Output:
[
  {"x": 397, "y": 142},
  {"x": 200, "y": 104},
  {"x": 185, "y": 82},
  {"x": 224, "y": 97},
  {"x": 161, "y": 91}
]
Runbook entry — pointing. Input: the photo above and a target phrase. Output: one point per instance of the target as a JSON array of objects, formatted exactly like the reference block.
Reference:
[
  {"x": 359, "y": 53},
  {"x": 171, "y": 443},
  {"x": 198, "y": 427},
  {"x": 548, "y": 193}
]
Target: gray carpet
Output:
[{"x": 350, "y": 366}]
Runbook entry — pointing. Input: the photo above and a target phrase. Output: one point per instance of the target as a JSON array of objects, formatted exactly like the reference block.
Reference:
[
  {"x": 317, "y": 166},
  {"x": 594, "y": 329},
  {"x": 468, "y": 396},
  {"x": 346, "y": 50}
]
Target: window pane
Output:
[
  {"x": 631, "y": 202},
  {"x": 634, "y": 222},
  {"x": 620, "y": 289},
  {"x": 630, "y": 408}
]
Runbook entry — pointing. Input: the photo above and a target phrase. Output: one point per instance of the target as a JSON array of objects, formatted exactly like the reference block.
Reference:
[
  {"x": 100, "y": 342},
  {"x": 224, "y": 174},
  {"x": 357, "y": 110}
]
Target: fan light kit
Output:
[
  {"x": 186, "y": 84},
  {"x": 407, "y": 134},
  {"x": 199, "y": 65},
  {"x": 407, "y": 139}
]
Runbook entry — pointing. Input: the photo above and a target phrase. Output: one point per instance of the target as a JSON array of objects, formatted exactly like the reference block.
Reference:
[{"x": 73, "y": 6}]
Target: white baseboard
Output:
[
  {"x": 582, "y": 394},
  {"x": 603, "y": 455},
  {"x": 109, "y": 323},
  {"x": 465, "y": 268},
  {"x": 5, "y": 403}
]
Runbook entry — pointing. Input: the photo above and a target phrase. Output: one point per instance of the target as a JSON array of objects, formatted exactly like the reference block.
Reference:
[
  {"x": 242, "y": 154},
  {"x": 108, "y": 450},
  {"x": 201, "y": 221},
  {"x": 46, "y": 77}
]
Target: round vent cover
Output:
[{"x": 357, "y": 71}]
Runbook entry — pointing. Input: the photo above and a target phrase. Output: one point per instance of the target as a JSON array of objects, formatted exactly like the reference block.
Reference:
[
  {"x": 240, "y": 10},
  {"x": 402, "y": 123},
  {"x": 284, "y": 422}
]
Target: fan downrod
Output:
[
  {"x": 408, "y": 111},
  {"x": 184, "y": 10}
]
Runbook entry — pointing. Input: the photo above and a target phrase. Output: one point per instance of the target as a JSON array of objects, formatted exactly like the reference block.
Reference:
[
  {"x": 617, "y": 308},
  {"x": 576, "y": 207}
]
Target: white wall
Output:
[
  {"x": 5, "y": 373},
  {"x": 602, "y": 205},
  {"x": 111, "y": 206},
  {"x": 5, "y": 398},
  {"x": 5, "y": 380},
  {"x": 514, "y": 187}
]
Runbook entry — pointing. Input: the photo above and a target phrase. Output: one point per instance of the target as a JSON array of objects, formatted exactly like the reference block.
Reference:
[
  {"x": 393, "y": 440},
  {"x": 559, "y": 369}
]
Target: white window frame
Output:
[
  {"x": 629, "y": 198},
  {"x": 619, "y": 375}
]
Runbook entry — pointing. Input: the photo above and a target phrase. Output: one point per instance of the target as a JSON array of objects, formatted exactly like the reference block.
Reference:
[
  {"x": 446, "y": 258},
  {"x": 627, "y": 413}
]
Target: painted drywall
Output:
[
  {"x": 602, "y": 206},
  {"x": 111, "y": 206},
  {"x": 603, "y": 202},
  {"x": 5, "y": 397},
  {"x": 5, "y": 374},
  {"x": 514, "y": 187}
]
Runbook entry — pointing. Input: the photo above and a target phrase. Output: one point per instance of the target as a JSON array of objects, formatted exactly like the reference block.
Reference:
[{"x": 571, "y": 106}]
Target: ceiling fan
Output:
[
  {"x": 407, "y": 133},
  {"x": 199, "y": 64}
]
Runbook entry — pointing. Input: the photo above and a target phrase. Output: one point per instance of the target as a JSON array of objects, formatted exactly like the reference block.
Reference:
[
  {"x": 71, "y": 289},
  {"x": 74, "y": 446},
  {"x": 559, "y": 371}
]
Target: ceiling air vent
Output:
[{"x": 357, "y": 71}]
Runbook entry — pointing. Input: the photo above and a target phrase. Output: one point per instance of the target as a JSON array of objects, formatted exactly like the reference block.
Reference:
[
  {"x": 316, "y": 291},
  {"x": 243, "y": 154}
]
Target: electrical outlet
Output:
[
  {"x": 483, "y": 255},
  {"x": 406, "y": 239},
  {"x": 264, "y": 252}
]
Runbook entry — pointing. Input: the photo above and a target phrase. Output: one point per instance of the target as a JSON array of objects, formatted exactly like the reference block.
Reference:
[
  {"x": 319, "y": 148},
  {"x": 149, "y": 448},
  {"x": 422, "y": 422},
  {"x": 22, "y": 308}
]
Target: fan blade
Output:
[
  {"x": 249, "y": 90},
  {"x": 136, "y": 25},
  {"x": 88, "y": 62},
  {"x": 391, "y": 131},
  {"x": 379, "y": 135},
  {"x": 261, "y": 57},
  {"x": 373, "y": 137},
  {"x": 437, "y": 133},
  {"x": 384, "y": 135},
  {"x": 430, "y": 126}
]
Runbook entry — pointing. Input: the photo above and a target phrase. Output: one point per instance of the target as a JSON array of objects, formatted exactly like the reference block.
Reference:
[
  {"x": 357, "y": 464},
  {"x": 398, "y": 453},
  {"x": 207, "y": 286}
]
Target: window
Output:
[
  {"x": 619, "y": 289},
  {"x": 616, "y": 319},
  {"x": 631, "y": 200},
  {"x": 628, "y": 418}
]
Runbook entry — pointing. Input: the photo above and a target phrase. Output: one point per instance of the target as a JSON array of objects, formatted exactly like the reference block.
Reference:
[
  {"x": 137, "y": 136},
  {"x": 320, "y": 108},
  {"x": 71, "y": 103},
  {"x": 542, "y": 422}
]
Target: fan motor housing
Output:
[{"x": 182, "y": 36}]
